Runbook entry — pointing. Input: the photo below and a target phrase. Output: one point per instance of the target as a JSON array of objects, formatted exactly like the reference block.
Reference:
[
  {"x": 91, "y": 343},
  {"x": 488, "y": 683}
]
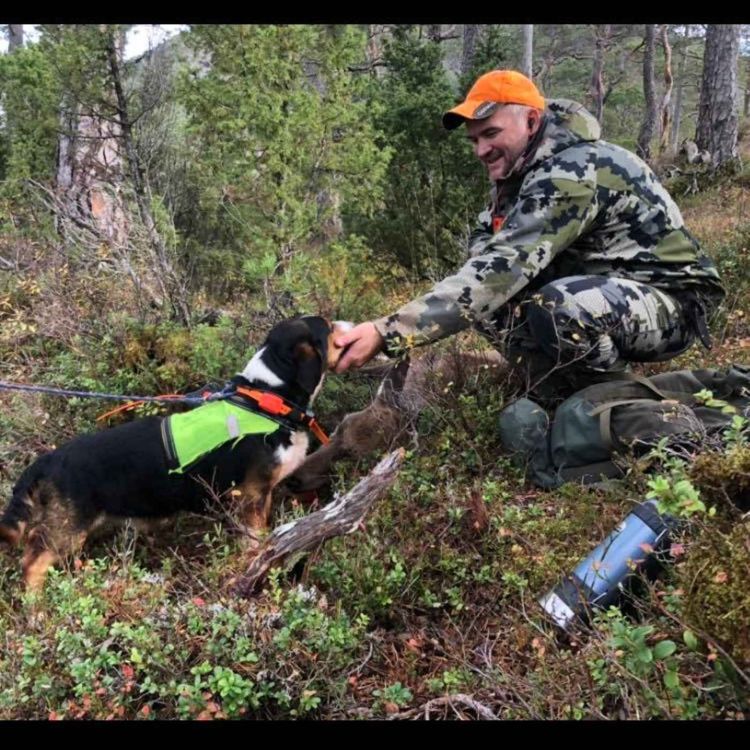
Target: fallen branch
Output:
[
  {"x": 482, "y": 711},
  {"x": 343, "y": 516}
]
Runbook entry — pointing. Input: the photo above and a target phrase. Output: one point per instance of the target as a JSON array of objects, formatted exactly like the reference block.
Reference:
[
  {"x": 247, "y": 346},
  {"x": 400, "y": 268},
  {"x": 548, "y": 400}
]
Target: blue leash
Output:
[{"x": 187, "y": 399}]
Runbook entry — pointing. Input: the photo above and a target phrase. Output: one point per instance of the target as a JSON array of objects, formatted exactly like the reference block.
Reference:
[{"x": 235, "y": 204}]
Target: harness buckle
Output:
[{"x": 272, "y": 404}]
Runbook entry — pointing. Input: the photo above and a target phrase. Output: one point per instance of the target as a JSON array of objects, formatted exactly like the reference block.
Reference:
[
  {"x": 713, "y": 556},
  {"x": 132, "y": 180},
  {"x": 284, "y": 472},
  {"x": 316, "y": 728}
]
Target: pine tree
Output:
[{"x": 282, "y": 138}]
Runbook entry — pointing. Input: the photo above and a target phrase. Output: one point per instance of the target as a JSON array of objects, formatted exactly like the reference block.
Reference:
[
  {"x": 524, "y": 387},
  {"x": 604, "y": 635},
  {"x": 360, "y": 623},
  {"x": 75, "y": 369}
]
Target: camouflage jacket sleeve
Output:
[{"x": 551, "y": 211}]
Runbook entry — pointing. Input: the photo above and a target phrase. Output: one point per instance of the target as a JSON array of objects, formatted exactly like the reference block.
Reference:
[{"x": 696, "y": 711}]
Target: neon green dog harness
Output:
[{"x": 189, "y": 436}]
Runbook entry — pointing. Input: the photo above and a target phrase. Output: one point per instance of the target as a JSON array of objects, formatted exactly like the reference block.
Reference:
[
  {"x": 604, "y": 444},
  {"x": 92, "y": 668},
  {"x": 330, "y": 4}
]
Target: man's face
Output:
[{"x": 501, "y": 138}]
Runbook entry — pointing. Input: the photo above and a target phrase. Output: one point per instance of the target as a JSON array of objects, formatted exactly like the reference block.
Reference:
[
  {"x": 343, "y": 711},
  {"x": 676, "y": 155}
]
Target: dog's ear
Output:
[{"x": 309, "y": 366}]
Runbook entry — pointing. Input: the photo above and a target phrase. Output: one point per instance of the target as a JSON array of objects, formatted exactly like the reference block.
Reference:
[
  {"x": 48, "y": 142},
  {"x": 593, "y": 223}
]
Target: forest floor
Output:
[{"x": 429, "y": 611}]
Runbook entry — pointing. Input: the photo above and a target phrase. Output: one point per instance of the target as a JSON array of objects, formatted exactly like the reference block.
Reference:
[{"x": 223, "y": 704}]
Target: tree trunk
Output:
[
  {"x": 89, "y": 171},
  {"x": 99, "y": 168},
  {"x": 677, "y": 113},
  {"x": 15, "y": 36},
  {"x": 374, "y": 49},
  {"x": 601, "y": 43},
  {"x": 651, "y": 115},
  {"x": 168, "y": 278},
  {"x": 746, "y": 108},
  {"x": 717, "y": 112},
  {"x": 528, "y": 49},
  {"x": 666, "y": 99},
  {"x": 471, "y": 36}
]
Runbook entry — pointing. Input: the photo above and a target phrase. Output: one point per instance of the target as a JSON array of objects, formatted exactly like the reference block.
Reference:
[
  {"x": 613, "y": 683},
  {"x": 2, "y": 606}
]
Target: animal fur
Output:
[{"x": 406, "y": 390}]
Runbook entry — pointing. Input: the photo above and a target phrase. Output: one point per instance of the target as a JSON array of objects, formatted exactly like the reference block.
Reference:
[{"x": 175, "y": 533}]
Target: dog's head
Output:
[{"x": 298, "y": 353}]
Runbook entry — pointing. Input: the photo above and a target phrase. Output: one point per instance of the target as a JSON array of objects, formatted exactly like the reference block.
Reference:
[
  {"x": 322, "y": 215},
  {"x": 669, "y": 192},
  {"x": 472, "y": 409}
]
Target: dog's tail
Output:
[{"x": 21, "y": 505}]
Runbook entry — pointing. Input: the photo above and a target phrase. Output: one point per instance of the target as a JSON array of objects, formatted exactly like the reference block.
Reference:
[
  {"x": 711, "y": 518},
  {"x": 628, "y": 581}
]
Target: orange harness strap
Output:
[
  {"x": 270, "y": 403},
  {"x": 274, "y": 405},
  {"x": 317, "y": 430}
]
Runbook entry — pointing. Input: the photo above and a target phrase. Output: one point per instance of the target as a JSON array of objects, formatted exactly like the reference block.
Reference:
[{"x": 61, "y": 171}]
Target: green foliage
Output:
[
  {"x": 450, "y": 680},
  {"x": 281, "y": 135},
  {"x": 735, "y": 435},
  {"x": 724, "y": 477},
  {"x": 707, "y": 398},
  {"x": 129, "y": 356},
  {"x": 637, "y": 654},
  {"x": 434, "y": 187},
  {"x": 396, "y": 693},
  {"x": 78, "y": 54},
  {"x": 376, "y": 584},
  {"x": 344, "y": 279},
  {"x": 622, "y": 116},
  {"x": 118, "y": 644},
  {"x": 679, "y": 498},
  {"x": 716, "y": 572},
  {"x": 674, "y": 492},
  {"x": 497, "y": 47},
  {"x": 29, "y": 97}
]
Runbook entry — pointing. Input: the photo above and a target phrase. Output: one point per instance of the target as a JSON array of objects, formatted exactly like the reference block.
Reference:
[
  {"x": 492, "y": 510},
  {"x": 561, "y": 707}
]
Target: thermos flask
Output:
[{"x": 599, "y": 580}]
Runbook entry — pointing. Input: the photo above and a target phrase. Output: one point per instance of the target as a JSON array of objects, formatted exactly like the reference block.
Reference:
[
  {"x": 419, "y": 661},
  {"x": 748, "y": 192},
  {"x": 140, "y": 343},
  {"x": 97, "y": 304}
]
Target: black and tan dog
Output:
[{"x": 124, "y": 472}]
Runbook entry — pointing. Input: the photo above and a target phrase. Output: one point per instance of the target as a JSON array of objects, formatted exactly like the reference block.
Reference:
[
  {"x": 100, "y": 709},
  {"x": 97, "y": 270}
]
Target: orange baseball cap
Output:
[{"x": 490, "y": 90}]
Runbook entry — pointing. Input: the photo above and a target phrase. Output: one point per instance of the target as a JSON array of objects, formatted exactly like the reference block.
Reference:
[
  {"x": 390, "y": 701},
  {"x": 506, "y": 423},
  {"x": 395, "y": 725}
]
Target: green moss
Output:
[
  {"x": 724, "y": 479},
  {"x": 714, "y": 579}
]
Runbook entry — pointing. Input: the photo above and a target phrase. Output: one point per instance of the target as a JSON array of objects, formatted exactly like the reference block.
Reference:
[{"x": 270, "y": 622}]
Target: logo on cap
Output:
[{"x": 484, "y": 110}]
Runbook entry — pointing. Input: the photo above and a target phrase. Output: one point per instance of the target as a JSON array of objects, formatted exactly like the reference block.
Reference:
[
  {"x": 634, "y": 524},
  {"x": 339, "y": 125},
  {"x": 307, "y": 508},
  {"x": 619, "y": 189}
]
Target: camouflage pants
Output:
[{"x": 565, "y": 335}]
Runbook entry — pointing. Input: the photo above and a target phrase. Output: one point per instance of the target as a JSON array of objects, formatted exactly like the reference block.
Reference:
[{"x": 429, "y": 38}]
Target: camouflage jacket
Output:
[{"x": 577, "y": 205}]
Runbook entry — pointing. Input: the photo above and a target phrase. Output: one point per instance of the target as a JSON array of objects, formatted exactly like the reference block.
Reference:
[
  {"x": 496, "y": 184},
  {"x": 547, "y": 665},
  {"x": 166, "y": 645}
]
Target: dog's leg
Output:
[
  {"x": 38, "y": 558},
  {"x": 35, "y": 569},
  {"x": 12, "y": 535},
  {"x": 265, "y": 511},
  {"x": 151, "y": 528},
  {"x": 43, "y": 550},
  {"x": 252, "y": 504},
  {"x": 257, "y": 518}
]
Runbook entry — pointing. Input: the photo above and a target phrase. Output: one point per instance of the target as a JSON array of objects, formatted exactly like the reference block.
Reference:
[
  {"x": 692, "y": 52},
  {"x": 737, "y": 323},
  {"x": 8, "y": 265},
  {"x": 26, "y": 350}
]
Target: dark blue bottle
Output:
[{"x": 598, "y": 581}]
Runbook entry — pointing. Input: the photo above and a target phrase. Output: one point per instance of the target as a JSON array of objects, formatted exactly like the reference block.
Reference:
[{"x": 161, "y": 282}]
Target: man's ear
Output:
[
  {"x": 533, "y": 119},
  {"x": 309, "y": 366}
]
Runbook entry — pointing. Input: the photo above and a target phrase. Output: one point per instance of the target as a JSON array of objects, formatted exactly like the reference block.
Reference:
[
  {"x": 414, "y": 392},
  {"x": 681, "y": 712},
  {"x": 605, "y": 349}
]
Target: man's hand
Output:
[{"x": 364, "y": 343}]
